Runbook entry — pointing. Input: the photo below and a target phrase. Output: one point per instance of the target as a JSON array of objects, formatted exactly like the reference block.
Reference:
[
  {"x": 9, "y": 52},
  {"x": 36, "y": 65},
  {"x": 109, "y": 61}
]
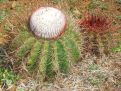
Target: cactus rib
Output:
[
  {"x": 62, "y": 58},
  {"x": 24, "y": 49},
  {"x": 34, "y": 55}
]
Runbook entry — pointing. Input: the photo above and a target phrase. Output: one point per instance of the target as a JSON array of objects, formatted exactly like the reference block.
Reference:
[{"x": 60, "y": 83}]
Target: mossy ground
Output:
[{"x": 86, "y": 75}]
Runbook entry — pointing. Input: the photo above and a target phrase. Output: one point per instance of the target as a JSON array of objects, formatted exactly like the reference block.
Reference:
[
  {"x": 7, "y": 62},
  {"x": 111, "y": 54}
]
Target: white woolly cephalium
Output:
[{"x": 47, "y": 22}]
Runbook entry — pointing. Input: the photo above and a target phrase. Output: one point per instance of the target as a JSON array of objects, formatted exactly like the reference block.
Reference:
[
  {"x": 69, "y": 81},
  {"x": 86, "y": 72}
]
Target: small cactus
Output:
[{"x": 48, "y": 52}]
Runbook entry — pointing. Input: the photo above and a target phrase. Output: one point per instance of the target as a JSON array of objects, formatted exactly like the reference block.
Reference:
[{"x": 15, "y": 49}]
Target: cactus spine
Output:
[{"x": 48, "y": 56}]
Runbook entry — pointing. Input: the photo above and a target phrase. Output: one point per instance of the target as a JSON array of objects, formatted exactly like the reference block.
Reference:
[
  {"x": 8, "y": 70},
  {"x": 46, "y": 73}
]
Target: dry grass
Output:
[
  {"x": 88, "y": 76},
  {"x": 84, "y": 76}
]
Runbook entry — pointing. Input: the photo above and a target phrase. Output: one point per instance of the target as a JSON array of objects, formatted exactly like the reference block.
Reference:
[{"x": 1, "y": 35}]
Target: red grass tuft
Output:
[{"x": 98, "y": 23}]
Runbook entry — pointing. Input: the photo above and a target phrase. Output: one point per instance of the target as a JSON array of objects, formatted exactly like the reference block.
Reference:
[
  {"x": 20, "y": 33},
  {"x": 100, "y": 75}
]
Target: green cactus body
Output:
[
  {"x": 48, "y": 57},
  {"x": 24, "y": 49},
  {"x": 62, "y": 58},
  {"x": 50, "y": 46},
  {"x": 34, "y": 55},
  {"x": 45, "y": 65},
  {"x": 19, "y": 40},
  {"x": 72, "y": 46}
]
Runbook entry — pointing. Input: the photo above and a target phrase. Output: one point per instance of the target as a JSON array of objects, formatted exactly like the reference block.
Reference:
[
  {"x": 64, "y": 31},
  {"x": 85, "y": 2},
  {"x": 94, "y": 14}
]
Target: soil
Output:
[{"x": 84, "y": 76}]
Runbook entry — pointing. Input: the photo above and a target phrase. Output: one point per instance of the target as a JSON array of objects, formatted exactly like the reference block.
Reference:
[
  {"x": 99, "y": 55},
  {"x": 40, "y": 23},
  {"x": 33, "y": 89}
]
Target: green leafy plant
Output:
[{"x": 7, "y": 77}]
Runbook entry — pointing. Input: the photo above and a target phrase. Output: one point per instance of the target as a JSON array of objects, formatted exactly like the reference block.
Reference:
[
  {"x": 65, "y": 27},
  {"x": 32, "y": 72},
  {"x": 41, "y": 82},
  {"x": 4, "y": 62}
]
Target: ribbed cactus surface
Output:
[{"x": 48, "y": 56}]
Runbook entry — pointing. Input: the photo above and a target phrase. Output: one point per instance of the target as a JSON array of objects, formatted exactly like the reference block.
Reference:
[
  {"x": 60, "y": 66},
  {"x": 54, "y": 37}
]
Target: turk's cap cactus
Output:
[
  {"x": 47, "y": 22},
  {"x": 48, "y": 57}
]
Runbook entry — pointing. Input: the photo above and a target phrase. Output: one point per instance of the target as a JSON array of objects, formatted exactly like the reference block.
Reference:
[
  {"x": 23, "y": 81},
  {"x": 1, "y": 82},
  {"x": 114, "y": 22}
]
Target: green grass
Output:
[
  {"x": 93, "y": 81},
  {"x": 97, "y": 4},
  {"x": 7, "y": 77},
  {"x": 3, "y": 1},
  {"x": 117, "y": 49},
  {"x": 119, "y": 83},
  {"x": 118, "y": 17},
  {"x": 93, "y": 67},
  {"x": 118, "y": 1},
  {"x": 3, "y": 14},
  {"x": 19, "y": 8},
  {"x": 56, "y": 1}
]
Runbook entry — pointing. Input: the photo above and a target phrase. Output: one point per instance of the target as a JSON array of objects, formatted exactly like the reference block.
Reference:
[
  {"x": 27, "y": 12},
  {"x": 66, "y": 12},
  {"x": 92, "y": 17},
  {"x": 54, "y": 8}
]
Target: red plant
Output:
[{"x": 98, "y": 23}]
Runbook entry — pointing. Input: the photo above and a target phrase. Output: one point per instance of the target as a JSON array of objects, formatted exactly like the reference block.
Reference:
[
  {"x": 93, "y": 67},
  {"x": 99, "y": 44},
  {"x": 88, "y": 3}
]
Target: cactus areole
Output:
[{"x": 47, "y": 23}]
